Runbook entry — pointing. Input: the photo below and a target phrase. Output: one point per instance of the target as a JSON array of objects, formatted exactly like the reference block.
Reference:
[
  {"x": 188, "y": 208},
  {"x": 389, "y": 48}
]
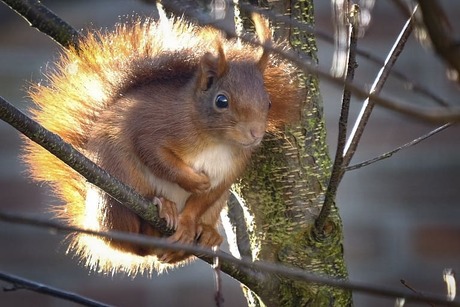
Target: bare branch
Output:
[
  {"x": 366, "y": 110},
  {"x": 20, "y": 283},
  {"x": 391, "y": 153},
  {"x": 44, "y": 20},
  {"x": 337, "y": 168},
  {"x": 227, "y": 261}
]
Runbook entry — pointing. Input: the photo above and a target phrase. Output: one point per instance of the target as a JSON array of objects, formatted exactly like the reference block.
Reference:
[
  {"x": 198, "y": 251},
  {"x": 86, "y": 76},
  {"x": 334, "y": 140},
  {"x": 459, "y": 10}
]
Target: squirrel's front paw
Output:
[
  {"x": 197, "y": 183},
  {"x": 167, "y": 210}
]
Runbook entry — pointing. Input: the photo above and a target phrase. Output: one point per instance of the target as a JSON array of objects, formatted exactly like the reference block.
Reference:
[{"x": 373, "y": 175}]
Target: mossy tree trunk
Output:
[{"x": 284, "y": 191}]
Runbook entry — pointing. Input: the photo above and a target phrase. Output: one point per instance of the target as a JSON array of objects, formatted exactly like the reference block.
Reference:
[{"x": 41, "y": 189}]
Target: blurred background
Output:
[{"x": 401, "y": 216}]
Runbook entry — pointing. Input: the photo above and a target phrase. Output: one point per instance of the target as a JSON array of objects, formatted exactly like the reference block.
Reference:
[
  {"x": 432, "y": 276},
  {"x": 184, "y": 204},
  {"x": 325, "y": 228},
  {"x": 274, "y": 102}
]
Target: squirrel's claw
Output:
[{"x": 167, "y": 210}]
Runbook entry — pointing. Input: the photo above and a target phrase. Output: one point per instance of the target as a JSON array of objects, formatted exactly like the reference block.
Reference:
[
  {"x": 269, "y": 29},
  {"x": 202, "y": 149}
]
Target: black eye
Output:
[
  {"x": 221, "y": 101},
  {"x": 269, "y": 104}
]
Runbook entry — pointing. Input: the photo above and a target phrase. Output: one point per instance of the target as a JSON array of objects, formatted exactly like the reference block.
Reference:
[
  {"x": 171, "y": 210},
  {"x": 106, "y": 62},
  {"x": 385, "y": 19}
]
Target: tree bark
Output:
[{"x": 283, "y": 192}]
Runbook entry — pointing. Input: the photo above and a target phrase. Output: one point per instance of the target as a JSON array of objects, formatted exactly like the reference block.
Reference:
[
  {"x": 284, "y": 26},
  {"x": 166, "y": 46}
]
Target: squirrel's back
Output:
[{"x": 87, "y": 81}]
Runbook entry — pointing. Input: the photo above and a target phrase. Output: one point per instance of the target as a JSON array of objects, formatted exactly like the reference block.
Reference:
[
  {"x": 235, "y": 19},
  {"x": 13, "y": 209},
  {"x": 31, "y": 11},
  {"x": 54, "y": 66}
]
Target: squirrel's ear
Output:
[
  {"x": 265, "y": 37},
  {"x": 211, "y": 68}
]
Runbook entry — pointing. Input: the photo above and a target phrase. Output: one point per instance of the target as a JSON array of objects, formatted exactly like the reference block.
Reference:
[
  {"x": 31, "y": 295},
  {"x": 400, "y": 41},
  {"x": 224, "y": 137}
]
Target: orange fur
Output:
[{"x": 128, "y": 100}]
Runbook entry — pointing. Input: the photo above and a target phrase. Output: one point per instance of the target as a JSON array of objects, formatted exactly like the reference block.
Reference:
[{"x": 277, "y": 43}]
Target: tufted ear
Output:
[
  {"x": 264, "y": 35},
  {"x": 211, "y": 68}
]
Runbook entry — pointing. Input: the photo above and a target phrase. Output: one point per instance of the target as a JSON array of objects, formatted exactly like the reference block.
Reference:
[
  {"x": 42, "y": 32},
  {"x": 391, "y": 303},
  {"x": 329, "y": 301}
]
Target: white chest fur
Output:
[{"x": 217, "y": 162}]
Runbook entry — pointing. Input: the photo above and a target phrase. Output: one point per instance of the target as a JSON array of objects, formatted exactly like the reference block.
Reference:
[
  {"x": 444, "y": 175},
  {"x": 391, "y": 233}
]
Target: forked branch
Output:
[
  {"x": 337, "y": 167},
  {"x": 392, "y": 152},
  {"x": 368, "y": 106}
]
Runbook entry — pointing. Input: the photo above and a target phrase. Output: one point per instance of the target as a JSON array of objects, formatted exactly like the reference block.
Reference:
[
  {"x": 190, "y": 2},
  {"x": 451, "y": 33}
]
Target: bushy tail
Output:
[{"x": 81, "y": 85}]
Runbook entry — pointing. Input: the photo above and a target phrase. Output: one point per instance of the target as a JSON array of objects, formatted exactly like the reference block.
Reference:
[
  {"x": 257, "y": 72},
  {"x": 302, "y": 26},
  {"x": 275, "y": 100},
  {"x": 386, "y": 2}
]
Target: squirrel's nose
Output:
[{"x": 257, "y": 132}]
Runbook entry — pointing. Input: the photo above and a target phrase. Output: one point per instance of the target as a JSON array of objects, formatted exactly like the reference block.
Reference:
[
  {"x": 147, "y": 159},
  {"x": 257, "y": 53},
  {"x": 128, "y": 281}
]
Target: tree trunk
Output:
[{"x": 283, "y": 192}]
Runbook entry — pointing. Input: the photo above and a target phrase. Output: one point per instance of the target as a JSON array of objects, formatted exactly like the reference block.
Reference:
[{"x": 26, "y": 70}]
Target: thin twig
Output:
[
  {"x": 391, "y": 153},
  {"x": 337, "y": 168},
  {"x": 405, "y": 284},
  {"x": 260, "y": 267},
  {"x": 26, "y": 284},
  {"x": 218, "y": 296},
  {"x": 366, "y": 110},
  {"x": 44, "y": 20}
]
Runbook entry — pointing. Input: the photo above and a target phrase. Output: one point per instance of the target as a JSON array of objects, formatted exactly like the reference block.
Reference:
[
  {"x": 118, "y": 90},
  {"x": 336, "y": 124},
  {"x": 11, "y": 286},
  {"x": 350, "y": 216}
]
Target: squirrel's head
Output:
[{"x": 231, "y": 101}]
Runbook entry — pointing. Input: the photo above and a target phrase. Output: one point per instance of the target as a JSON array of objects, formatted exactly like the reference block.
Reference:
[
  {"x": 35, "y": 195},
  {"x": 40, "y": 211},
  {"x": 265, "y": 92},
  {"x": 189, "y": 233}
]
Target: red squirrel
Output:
[{"x": 173, "y": 110}]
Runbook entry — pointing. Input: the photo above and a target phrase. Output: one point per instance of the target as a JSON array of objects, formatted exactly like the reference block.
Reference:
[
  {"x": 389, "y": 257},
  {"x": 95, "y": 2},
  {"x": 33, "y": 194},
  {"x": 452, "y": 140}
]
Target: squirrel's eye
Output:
[
  {"x": 269, "y": 104},
  {"x": 221, "y": 101}
]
